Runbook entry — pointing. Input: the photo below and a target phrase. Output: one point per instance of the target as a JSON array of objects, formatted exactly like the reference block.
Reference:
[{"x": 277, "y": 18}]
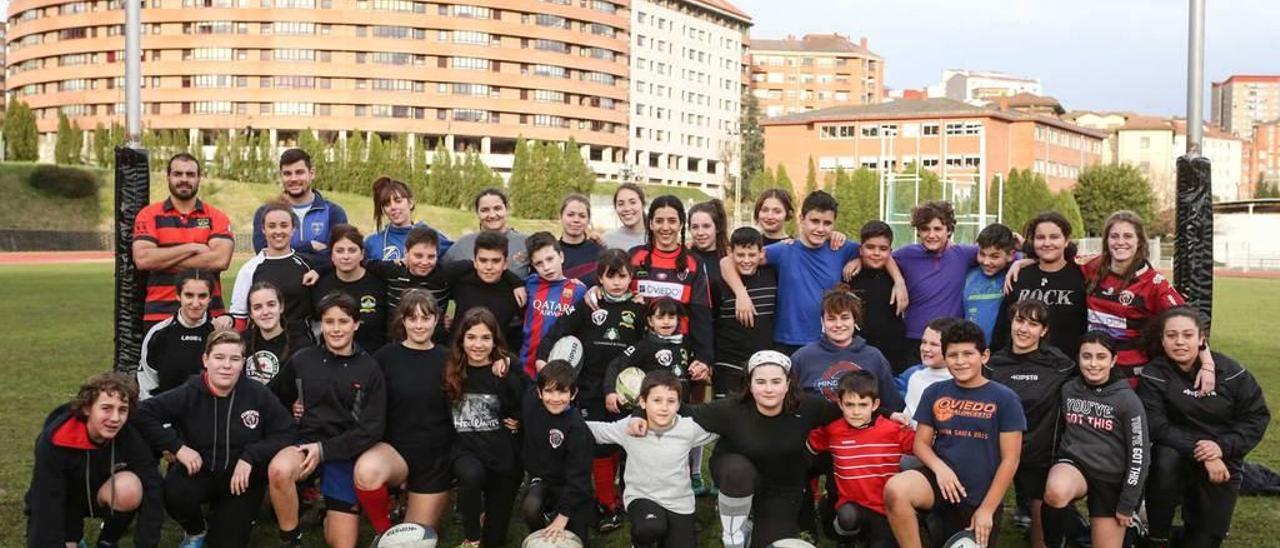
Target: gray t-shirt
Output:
[
  {"x": 621, "y": 238},
  {"x": 517, "y": 262},
  {"x": 658, "y": 463}
]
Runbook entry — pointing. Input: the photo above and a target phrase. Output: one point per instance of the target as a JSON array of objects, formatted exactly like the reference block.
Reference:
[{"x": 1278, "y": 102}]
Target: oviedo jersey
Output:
[{"x": 659, "y": 274}]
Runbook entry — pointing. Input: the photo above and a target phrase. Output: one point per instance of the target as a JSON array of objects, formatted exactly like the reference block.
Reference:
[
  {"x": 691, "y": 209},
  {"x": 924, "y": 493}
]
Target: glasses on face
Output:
[{"x": 184, "y": 174}]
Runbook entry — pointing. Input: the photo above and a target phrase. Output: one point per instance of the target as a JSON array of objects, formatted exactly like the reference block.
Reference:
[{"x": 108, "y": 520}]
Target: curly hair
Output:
[{"x": 119, "y": 384}]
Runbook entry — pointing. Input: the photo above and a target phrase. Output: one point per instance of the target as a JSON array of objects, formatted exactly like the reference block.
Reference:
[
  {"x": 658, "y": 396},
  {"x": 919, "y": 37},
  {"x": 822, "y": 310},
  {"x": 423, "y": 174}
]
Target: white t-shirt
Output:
[{"x": 916, "y": 385}]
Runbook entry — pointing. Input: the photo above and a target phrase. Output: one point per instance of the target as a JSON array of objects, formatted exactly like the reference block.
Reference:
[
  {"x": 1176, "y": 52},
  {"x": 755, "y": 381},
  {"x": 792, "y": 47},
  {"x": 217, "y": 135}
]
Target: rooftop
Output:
[
  {"x": 817, "y": 43},
  {"x": 724, "y": 6},
  {"x": 1250, "y": 78},
  {"x": 924, "y": 108}
]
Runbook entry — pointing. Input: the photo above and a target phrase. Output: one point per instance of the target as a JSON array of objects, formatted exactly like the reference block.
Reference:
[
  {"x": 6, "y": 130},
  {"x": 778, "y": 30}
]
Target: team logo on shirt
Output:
[
  {"x": 661, "y": 276},
  {"x": 263, "y": 366},
  {"x": 664, "y": 357},
  {"x": 249, "y": 419},
  {"x": 204, "y": 222},
  {"x": 555, "y": 437},
  {"x": 368, "y": 304},
  {"x": 599, "y": 316},
  {"x": 611, "y": 334},
  {"x": 317, "y": 227},
  {"x": 1126, "y": 298},
  {"x": 947, "y": 407},
  {"x": 627, "y": 320},
  {"x": 830, "y": 381}
]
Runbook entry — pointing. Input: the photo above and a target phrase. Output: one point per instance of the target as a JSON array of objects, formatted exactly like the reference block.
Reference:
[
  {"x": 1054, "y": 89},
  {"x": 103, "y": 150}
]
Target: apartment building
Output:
[{"x": 813, "y": 72}]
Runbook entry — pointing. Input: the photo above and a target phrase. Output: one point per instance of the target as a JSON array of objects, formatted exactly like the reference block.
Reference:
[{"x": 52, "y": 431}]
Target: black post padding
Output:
[
  {"x": 1193, "y": 248},
  {"x": 133, "y": 184}
]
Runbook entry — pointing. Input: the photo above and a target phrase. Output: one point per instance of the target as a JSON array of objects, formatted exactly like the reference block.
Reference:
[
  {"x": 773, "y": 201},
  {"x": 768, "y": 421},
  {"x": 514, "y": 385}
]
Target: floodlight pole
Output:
[
  {"x": 133, "y": 73},
  {"x": 1195, "y": 79}
]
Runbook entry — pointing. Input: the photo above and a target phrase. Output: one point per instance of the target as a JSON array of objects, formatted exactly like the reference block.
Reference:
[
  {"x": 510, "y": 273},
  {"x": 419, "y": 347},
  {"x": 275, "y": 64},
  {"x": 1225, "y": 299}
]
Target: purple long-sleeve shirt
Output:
[{"x": 935, "y": 282}]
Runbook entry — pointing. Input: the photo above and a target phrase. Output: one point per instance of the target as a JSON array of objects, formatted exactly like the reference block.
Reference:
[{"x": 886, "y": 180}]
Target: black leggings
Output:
[
  {"x": 867, "y": 525},
  {"x": 774, "y": 512},
  {"x": 231, "y": 517},
  {"x": 488, "y": 492},
  {"x": 539, "y": 508},
  {"x": 652, "y": 526},
  {"x": 1206, "y": 507}
]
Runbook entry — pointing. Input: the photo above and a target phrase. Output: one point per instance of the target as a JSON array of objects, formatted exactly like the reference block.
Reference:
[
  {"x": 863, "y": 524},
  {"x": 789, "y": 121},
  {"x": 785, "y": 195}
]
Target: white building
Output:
[
  {"x": 1153, "y": 145},
  {"x": 979, "y": 87},
  {"x": 686, "y": 91}
]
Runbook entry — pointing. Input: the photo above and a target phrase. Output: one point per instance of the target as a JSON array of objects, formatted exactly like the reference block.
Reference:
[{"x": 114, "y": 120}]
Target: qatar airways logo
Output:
[{"x": 553, "y": 309}]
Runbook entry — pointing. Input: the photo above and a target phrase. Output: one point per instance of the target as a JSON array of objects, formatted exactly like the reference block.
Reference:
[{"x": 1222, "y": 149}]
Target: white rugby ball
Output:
[
  {"x": 791, "y": 543},
  {"x": 569, "y": 349},
  {"x": 537, "y": 539},
  {"x": 962, "y": 539},
  {"x": 628, "y": 385},
  {"x": 407, "y": 535}
]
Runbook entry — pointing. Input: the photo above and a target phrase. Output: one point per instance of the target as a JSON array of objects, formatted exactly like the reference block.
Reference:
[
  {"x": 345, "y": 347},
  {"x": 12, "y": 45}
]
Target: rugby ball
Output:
[
  {"x": 628, "y": 385},
  {"x": 569, "y": 349},
  {"x": 407, "y": 535},
  {"x": 962, "y": 539},
  {"x": 537, "y": 539},
  {"x": 791, "y": 543}
]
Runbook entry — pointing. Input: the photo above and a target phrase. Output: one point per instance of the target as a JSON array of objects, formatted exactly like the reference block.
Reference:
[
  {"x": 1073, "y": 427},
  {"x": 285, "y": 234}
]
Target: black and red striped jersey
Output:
[
  {"x": 1123, "y": 311},
  {"x": 659, "y": 274},
  {"x": 162, "y": 224}
]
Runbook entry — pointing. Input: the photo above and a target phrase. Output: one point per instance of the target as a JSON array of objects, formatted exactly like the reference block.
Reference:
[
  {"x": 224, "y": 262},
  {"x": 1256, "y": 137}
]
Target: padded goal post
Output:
[{"x": 132, "y": 189}]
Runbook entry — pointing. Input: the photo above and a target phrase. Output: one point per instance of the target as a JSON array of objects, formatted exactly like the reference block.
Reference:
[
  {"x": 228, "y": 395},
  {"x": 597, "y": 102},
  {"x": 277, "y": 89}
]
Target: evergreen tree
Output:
[
  {"x": 63, "y": 152},
  {"x": 356, "y": 169},
  {"x": 100, "y": 145},
  {"x": 859, "y": 197},
  {"x": 752, "y": 159},
  {"x": 758, "y": 182},
  {"x": 521, "y": 181},
  {"x": 182, "y": 142},
  {"x": 267, "y": 161},
  {"x": 221, "y": 164},
  {"x": 1064, "y": 202},
  {"x": 21, "y": 138},
  {"x": 418, "y": 174},
  {"x": 1026, "y": 194},
  {"x": 574, "y": 171},
  {"x": 783, "y": 181},
  {"x": 811, "y": 178},
  {"x": 375, "y": 166},
  {"x": 442, "y": 188}
]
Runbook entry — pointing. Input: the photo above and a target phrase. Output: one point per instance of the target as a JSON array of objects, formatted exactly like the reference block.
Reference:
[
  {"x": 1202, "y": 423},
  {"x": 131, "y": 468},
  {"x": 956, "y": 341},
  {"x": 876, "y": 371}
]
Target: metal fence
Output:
[{"x": 63, "y": 240}]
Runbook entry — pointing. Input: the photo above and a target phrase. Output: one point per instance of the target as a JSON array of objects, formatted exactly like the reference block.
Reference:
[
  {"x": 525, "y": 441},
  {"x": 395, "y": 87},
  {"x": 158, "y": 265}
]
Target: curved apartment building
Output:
[{"x": 476, "y": 73}]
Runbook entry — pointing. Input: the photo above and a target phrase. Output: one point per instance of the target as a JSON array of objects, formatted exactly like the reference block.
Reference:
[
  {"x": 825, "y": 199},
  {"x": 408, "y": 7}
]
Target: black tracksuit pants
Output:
[{"x": 231, "y": 517}]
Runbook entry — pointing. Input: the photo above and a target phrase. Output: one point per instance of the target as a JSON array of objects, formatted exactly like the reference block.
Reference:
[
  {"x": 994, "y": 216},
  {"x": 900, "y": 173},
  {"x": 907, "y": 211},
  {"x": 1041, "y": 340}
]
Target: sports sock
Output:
[
  {"x": 377, "y": 506},
  {"x": 734, "y": 512},
  {"x": 115, "y": 525},
  {"x": 604, "y": 470}
]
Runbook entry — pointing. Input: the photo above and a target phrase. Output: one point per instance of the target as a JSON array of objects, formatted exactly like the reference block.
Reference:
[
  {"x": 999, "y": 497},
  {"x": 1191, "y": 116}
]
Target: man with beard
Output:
[
  {"x": 177, "y": 234},
  {"x": 314, "y": 216}
]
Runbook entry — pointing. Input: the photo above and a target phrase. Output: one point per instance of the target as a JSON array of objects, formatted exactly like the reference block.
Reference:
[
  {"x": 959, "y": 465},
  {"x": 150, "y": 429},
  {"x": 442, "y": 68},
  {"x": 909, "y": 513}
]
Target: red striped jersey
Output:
[
  {"x": 863, "y": 459},
  {"x": 1123, "y": 311},
  {"x": 165, "y": 226},
  {"x": 688, "y": 285}
]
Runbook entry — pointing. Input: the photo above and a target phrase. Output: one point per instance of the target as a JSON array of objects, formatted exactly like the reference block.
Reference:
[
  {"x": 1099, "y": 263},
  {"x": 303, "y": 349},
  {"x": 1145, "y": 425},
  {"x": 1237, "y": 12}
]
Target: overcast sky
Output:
[{"x": 1090, "y": 54}]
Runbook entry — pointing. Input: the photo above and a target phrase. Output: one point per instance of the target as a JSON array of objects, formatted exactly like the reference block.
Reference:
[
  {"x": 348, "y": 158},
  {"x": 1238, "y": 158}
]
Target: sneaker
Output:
[
  {"x": 700, "y": 487},
  {"x": 1021, "y": 518},
  {"x": 192, "y": 541},
  {"x": 294, "y": 542},
  {"x": 610, "y": 519},
  {"x": 469, "y": 544}
]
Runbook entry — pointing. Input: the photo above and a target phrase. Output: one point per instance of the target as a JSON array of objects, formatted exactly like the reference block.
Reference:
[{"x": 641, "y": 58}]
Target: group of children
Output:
[{"x": 802, "y": 345}]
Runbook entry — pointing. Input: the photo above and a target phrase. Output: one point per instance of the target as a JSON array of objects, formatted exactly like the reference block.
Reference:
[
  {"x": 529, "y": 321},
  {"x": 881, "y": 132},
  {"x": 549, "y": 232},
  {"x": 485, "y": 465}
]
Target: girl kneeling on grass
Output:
[{"x": 658, "y": 495}]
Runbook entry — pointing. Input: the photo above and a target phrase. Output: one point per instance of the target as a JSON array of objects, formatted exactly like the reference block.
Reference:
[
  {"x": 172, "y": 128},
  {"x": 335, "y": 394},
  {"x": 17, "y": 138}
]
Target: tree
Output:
[
  {"x": 21, "y": 139},
  {"x": 859, "y": 197},
  {"x": 1064, "y": 202},
  {"x": 442, "y": 186},
  {"x": 267, "y": 165},
  {"x": 575, "y": 174},
  {"x": 221, "y": 164},
  {"x": 811, "y": 178},
  {"x": 1268, "y": 190},
  {"x": 752, "y": 155},
  {"x": 1103, "y": 190},
  {"x": 101, "y": 144},
  {"x": 355, "y": 169},
  {"x": 1026, "y": 194},
  {"x": 781, "y": 180},
  {"x": 64, "y": 147}
]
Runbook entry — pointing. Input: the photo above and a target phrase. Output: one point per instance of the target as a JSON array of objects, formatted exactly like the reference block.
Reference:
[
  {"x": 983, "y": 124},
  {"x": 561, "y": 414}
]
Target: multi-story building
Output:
[
  {"x": 816, "y": 71},
  {"x": 686, "y": 91},
  {"x": 1241, "y": 101},
  {"x": 1262, "y": 164},
  {"x": 980, "y": 87},
  {"x": 2, "y": 56},
  {"x": 1153, "y": 144},
  {"x": 476, "y": 74},
  {"x": 965, "y": 144}
]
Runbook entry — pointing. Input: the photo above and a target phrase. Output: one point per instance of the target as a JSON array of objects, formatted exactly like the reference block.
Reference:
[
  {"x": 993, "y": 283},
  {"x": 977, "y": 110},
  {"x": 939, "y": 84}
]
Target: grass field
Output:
[{"x": 57, "y": 331}]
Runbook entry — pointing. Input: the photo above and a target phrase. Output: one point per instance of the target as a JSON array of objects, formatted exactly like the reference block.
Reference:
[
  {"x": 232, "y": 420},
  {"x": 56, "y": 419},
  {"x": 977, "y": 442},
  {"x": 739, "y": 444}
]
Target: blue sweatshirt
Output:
[
  {"x": 818, "y": 367},
  {"x": 983, "y": 296},
  {"x": 388, "y": 244},
  {"x": 313, "y": 227}
]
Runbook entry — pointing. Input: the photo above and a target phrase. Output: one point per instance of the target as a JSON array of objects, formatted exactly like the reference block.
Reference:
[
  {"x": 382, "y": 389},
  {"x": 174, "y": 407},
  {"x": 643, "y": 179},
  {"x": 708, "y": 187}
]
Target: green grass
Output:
[{"x": 58, "y": 331}]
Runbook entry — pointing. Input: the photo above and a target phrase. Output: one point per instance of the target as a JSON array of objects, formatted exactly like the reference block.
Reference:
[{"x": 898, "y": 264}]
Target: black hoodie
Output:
[
  {"x": 557, "y": 450},
  {"x": 68, "y": 464},
  {"x": 344, "y": 399},
  {"x": 1234, "y": 415},
  {"x": 1105, "y": 433},
  {"x": 249, "y": 423},
  {"x": 654, "y": 351},
  {"x": 1037, "y": 378}
]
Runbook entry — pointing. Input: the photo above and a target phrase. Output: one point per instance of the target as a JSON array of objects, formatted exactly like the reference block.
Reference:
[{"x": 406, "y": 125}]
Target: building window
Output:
[{"x": 929, "y": 129}]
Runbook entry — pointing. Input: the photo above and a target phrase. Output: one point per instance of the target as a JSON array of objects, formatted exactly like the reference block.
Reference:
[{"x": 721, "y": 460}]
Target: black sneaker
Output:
[
  {"x": 610, "y": 519},
  {"x": 293, "y": 542}
]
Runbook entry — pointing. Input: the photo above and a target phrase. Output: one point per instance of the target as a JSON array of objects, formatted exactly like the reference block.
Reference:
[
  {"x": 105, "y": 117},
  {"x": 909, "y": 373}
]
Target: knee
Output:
[
  {"x": 897, "y": 494},
  {"x": 647, "y": 532},
  {"x": 283, "y": 470},
  {"x": 736, "y": 475},
  {"x": 1057, "y": 494},
  {"x": 370, "y": 474},
  {"x": 531, "y": 506},
  {"x": 847, "y": 519},
  {"x": 470, "y": 474},
  {"x": 123, "y": 492}
]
